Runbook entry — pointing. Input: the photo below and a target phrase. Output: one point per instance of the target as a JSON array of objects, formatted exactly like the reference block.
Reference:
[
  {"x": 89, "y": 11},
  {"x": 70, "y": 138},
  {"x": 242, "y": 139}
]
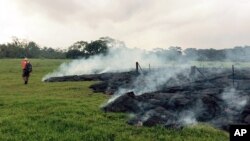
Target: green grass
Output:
[{"x": 71, "y": 111}]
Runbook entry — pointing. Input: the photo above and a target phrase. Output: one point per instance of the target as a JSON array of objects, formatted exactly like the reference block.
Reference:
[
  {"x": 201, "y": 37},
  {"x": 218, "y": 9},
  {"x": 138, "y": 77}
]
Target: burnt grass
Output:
[{"x": 214, "y": 96}]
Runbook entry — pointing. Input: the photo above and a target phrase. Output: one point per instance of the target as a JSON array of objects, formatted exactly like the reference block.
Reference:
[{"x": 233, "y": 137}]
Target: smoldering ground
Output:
[
  {"x": 213, "y": 101},
  {"x": 178, "y": 99},
  {"x": 169, "y": 95}
]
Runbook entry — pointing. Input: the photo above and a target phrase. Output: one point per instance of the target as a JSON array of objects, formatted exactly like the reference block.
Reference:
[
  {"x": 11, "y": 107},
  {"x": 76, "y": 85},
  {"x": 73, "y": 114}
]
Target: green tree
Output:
[
  {"x": 48, "y": 52},
  {"x": 174, "y": 53},
  {"x": 96, "y": 47},
  {"x": 77, "y": 50},
  {"x": 79, "y": 45},
  {"x": 32, "y": 50}
]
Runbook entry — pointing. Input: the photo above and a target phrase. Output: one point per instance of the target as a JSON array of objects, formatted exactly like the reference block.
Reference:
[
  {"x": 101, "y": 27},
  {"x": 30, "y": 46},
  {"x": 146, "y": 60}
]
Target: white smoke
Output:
[
  {"x": 152, "y": 81},
  {"x": 188, "y": 117},
  {"x": 120, "y": 58},
  {"x": 233, "y": 99},
  {"x": 117, "y": 59},
  {"x": 155, "y": 80}
]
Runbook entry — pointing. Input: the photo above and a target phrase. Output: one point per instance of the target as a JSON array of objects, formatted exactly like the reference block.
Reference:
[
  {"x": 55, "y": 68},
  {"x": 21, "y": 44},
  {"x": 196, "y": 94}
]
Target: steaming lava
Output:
[{"x": 182, "y": 100}]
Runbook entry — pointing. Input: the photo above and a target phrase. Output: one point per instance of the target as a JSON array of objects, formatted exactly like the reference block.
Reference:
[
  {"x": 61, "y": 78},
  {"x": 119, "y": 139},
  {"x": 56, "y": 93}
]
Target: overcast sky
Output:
[{"x": 139, "y": 23}]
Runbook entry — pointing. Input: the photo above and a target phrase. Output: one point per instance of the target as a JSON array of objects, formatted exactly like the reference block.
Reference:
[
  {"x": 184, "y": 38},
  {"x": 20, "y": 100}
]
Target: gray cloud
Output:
[
  {"x": 87, "y": 10},
  {"x": 140, "y": 23}
]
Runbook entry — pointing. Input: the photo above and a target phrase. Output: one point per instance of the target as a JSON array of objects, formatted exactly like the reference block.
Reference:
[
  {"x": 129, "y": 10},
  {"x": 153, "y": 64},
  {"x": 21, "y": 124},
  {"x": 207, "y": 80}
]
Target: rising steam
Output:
[
  {"x": 117, "y": 59},
  {"x": 153, "y": 79}
]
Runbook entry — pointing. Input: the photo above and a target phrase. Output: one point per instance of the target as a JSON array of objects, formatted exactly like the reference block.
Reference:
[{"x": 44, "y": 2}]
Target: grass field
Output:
[{"x": 71, "y": 111}]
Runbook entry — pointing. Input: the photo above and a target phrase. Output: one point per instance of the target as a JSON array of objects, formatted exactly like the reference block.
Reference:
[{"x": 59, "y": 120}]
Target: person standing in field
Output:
[{"x": 27, "y": 69}]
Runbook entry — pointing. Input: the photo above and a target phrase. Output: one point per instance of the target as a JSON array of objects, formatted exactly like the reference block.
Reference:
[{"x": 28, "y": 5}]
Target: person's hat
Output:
[{"x": 25, "y": 58}]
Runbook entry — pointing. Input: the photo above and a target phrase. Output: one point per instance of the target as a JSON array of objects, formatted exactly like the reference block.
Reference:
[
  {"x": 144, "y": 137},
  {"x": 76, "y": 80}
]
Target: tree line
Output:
[
  {"x": 238, "y": 53},
  {"x": 82, "y": 49},
  {"x": 22, "y": 48}
]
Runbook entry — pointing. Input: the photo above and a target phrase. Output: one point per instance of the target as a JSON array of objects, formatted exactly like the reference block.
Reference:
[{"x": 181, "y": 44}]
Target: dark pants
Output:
[{"x": 25, "y": 75}]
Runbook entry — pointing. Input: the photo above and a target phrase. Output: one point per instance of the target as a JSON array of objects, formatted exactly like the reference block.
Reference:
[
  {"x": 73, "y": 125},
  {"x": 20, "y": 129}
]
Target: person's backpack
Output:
[{"x": 28, "y": 67}]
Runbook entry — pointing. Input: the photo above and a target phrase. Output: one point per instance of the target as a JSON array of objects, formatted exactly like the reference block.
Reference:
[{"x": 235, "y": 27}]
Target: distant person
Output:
[{"x": 27, "y": 69}]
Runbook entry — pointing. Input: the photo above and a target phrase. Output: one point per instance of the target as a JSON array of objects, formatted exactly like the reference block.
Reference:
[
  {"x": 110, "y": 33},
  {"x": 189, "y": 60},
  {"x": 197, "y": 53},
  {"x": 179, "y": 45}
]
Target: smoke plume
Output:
[
  {"x": 165, "y": 92},
  {"x": 117, "y": 59}
]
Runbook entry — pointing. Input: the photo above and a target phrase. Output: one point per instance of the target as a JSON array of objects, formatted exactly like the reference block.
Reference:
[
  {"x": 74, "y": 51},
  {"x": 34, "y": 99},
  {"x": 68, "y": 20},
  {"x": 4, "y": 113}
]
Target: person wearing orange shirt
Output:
[{"x": 27, "y": 68}]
